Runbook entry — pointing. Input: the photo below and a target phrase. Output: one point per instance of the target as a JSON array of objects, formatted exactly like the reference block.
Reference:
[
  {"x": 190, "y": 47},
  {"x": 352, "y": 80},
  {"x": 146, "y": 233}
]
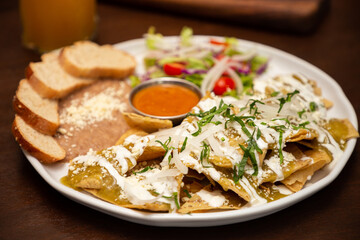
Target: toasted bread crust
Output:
[
  {"x": 36, "y": 121},
  {"x": 95, "y": 72},
  {"x": 34, "y": 150},
  {"x": 41, "y": 88},
  {"x": 48, "y": 92}
]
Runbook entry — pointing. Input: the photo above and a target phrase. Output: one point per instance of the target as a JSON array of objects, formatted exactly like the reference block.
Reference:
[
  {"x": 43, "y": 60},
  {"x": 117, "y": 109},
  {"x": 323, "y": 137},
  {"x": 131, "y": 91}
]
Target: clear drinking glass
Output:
[{"x": 51, "y": 24}]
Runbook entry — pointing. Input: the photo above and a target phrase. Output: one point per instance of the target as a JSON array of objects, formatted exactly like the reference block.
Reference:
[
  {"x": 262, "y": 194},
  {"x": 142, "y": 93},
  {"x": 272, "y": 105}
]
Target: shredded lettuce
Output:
[
  {"x": 233, "y": 42},
  {"x": 209, "y": 60},
  {"x": 157, "y": 74},
  {"x": 231, "y": 52},
  {"x": 232, "y": 93},
  {"x": 195, "y": 78},
  {"x": 195, "y": 63},
  {"x": 186, "y": 36},
  {"x": 248, "y": 83},
  {"x": 149, "y": 62},
  {"x": 171, "y": 60},
  {"x": 153, "y": 39},
  {"x": 134, "y": 81},
  {"x": 257, "y": 62}
]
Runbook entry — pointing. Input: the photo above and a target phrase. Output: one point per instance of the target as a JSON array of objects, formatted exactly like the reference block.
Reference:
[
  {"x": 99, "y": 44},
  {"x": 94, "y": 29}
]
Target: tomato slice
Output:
[
  {"x": 173, "y": 69},
  {"x": 223, "y": 84},
  {"x": 220, "y": 56},
  {"x": 216, "y": 42}
]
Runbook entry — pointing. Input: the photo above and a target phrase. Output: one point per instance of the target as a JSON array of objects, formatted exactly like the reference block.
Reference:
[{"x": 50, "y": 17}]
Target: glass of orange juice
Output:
[{"x": 51, "y": 24}]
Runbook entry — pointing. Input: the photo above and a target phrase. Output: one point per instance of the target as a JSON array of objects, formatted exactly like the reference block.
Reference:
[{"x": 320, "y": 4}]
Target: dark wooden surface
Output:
[
  {"x": 286, "y": 15},
  {"x": 31, "y": 209}
]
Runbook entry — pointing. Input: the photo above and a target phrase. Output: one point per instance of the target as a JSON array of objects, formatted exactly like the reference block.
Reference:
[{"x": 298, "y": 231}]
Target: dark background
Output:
[{"x": 31, "y": 209}]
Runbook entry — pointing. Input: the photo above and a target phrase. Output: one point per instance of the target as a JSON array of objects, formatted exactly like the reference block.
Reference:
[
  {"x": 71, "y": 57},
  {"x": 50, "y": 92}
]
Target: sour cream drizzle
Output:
[{"x": 217, "y": 137}]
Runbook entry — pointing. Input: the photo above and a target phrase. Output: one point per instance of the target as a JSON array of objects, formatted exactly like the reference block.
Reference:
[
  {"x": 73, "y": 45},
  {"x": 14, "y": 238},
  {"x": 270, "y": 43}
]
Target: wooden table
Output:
[{"x": 31, "y": 209}]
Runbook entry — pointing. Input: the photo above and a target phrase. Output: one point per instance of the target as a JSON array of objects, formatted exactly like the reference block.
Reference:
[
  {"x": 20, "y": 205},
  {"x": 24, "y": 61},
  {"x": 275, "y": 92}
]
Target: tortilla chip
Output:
[
  {"x": 151, "y": 152},
  {"x": 296, "y": 181},
  {"x": 229, "y": 184},
  {"x": 197, "y": 204},
  {"x": 302, "y": 134},
  {"x": 156, "y": 206},
  {"x": 220, "y": 161},
  {"x": 301, "y": 161},
  {"x": 341, "y": 129},
  {"x": 317, "y": 91},
  {"x": 131, "y": 131},
  {"x": 146, "y": 124},
  {"x": 104, "y": 193},
  {"x": 327, "y": 103},
  {"x": 91, "y": 182},
  {"x": 194, "y": 174}
]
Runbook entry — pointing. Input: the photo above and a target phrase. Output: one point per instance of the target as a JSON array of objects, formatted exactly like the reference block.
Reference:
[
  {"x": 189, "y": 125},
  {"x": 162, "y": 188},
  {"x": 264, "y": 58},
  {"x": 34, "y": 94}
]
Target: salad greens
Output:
[{"x": 201, "y": 62}]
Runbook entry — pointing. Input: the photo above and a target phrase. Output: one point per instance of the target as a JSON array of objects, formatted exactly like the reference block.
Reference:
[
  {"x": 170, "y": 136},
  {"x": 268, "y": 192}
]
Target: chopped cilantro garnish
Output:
[
  {"x": 187, "y": 193},
  {"x": 313, "y": 106},
  {"x": 166, "y": 147},
  {"x": 274, "y": 94},
  {"x": 280, "y": 147},
  {"x": 175, "y": 194},
  {"x": 280, "y": 129},
  {"x": 143, "y": 170},
  {"x": 301, "y": 113},
  {"x": 283, "y": 119},
  {"x": 207, "y": 116},
  {"x": 301, "y": 125},
  {"x": 175, "y": 198},
  {"x": 258, "y": 134},
  {"x": 205, "y": 154},
  {"x": 184, "y": 144},
  {"x": 287, "y": 99},
  {"x": 249, "y": 152},
  {"x": 253, "y": 106}
]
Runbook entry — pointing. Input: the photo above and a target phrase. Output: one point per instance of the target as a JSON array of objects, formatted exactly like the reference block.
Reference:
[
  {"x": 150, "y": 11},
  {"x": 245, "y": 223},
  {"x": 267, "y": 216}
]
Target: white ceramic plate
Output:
[{"x": 281, "y": 62}]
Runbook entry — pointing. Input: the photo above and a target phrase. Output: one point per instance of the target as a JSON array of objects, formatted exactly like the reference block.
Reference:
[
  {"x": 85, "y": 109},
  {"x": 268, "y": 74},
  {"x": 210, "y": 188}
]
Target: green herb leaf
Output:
[
  {"x": 240, "y": 167},
  {"x": 175, "y": 198},
  {"x": 143, "y": 170},
  {"x": 274, "y": 94},
  {"x": 313, "y": 106},
  {"x": 206, "y": 117},
  {"x": 280, "y": 147},
  {"x": 166, "y": 147},
  {"x": 253, "y": 106},
  {"x": 258, "y": 134},
  {"x": 187, "y": 193},
  {"x": 301, "y": 113},
  {"x": 134, "y": 81},
  {"x": 301, "y": 125},
  {"x": 205, "y": 154},
  {"x": 287, "y": 99},
  {"x": 184, "y": 145}
]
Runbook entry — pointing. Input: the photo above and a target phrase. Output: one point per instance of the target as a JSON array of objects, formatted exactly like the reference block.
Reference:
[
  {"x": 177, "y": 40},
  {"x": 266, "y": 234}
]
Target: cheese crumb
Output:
[{"x": 91, "y": 109}]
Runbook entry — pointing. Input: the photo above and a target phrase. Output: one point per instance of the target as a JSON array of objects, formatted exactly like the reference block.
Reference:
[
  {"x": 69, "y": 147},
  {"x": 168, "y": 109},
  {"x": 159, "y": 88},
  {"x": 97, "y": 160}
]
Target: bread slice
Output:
[
  {"x": 43, "y": 147},
  {"x": 50, "y": 80},
  {"x": 87, "y": 59},
  {"x": 41, "y": 113}
]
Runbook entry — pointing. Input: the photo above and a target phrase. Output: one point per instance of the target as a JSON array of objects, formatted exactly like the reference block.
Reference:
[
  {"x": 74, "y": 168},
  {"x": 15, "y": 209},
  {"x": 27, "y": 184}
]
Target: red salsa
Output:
[{"x": 165, "y": 100}]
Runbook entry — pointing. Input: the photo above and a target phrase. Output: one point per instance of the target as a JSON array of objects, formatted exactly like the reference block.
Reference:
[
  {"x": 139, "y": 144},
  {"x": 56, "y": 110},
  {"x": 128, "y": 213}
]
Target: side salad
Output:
[{"x": 218, "y": 65}]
